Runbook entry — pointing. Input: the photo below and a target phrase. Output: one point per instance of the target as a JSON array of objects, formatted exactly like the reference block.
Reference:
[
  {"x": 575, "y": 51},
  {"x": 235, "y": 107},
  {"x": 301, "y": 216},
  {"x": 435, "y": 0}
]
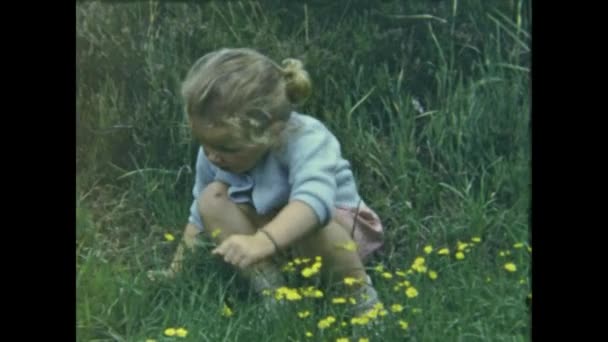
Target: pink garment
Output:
[{"x": 368, "y": 228}]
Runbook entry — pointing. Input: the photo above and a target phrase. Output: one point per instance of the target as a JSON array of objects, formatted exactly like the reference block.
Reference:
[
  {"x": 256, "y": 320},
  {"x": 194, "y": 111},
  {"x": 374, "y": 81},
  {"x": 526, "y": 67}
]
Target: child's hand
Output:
[{"x": 244, "y": 250}]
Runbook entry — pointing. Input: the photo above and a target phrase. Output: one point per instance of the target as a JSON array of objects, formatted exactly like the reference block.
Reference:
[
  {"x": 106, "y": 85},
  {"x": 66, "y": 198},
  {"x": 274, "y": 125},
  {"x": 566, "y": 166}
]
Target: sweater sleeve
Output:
[{"x": 312, "y": 156}]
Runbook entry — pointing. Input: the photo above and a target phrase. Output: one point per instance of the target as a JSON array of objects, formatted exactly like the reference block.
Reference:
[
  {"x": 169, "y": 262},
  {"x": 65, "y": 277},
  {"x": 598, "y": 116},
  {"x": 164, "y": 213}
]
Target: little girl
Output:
[{"x": 269, "y": 179}]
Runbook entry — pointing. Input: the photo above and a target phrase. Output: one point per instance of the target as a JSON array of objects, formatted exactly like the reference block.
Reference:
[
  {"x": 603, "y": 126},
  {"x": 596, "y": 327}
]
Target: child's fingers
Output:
[
  {"x": 218, "y": 251},
  {"x": 221, "y": 249},
  {"x": 244, "y": 263}
]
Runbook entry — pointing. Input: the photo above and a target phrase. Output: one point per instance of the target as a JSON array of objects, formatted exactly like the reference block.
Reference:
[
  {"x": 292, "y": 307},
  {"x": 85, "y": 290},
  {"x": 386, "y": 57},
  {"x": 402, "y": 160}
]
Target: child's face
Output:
[{"x": 225, "y": 150}]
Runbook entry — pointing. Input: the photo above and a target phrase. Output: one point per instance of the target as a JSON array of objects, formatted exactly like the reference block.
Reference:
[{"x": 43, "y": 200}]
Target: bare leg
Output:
[
  {"x": 332, "y": 244},
  {"x": 223, "y": 218},
  {"x": 340, "y": 260}
]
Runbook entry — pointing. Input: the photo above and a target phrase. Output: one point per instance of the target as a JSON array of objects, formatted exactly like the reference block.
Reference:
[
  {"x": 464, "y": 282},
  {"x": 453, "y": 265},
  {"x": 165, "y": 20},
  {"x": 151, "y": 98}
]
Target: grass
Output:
[{"x": 452, "y": 168}]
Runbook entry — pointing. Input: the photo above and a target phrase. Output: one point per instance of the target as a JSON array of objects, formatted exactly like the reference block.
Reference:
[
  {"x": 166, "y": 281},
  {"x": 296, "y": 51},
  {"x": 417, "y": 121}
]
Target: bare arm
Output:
[{"x": 292, "y": 223}]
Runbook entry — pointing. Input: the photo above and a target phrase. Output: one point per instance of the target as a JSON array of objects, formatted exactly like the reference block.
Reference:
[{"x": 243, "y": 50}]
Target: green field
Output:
[{"x": 431, "y": 103}]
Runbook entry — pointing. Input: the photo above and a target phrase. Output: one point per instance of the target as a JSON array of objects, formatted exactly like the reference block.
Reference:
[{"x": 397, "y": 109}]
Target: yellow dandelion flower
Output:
[
  {"x": 311, "y": 292},
  {"x": 343, "y": 324},
  {"x": 418, "y": 265},
  {"x": 459, "y": 255},
  {"x": 280, "y": 293},
  {"x": 383, "y": 313},
  {"x": 342, "y": 339},
  {"x": 419, "y": 268},
  {"x": 433, "y": 275},
  {"x": 400, "y": 273},
  {"x": 476, "y": 239},
  {"x": 293, "y": 295},
  {"x": 416, "y": 310},
  {"x": 303, "y": 314},
  {"x": 308, "y": 272},
  {"x": 287, "y": 293},
  {"x": 170, "y": 332},
  {"x": 522, "y": 281},
  {"x": 387, "y": 275},
  {"x": 323, "y": 324},
  {"x": 379, "y": 268},
  {"x": 352, "y": 300},
  {"x": 351, "y": 281},
  {"x": 396, "y": 287},
  {"x": 307, "y": 291},
  {"x": 338, "y": 300},
  {"x": 419, "y": 261},
  {"x": 326, "y": 322},
  {"x": 363, "y": 339},
  {"x": 297, "y": 261},
  {"x": 428, "y": 249},
  {"x": 359, "y": 320},
  {"x": 396, "y": 308},
  {"x": 462, "y": 245},
  {"x": 502, "y": 253},
  {"x": 444, "y": 251},
  {"x": 308, "y": 334},
  {"x": 510, "y": 267},
  {"x": 411, "y": 292},
  {"x": 215, "y": 232},
  {"x": 289, "y": 268},
  {"x": 169, "y": 237},
  {"x": 226, "y": 311},
  {"x": 405, "y": 283},
  {"x": 518, "y": 245},
  {"x": 318, "y": 258},
  {"x": 150, "y": 340},
  {"x": 181, "y": 332},
  {"x": 372, "y": 314},
  {"x": 305, "y": 260},
  {"x": 403, "y": 324}
]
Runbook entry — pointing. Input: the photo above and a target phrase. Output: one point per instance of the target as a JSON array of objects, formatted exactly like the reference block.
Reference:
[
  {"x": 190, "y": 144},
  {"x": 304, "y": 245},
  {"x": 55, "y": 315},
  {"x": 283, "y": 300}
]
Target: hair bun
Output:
[{"x": 297, "y": 81}]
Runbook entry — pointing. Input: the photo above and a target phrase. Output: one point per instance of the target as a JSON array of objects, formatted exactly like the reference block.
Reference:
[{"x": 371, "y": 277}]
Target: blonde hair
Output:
[{"x": 245, "y": 90}]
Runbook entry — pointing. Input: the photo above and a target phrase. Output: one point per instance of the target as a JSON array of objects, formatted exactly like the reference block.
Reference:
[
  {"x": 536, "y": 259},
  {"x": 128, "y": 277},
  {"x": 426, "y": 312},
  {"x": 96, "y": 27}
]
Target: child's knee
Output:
[
  {"x": 213, "y": 199},
  {"x": 327, "y": 240}
]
